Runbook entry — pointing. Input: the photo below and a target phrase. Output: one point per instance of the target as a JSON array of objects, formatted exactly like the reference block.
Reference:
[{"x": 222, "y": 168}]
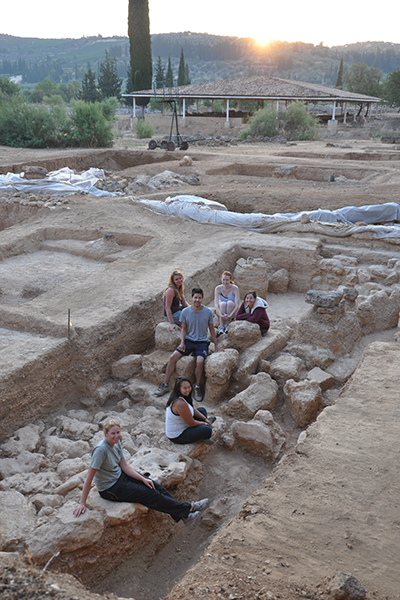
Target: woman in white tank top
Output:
[{"x": 185, "y": 424}]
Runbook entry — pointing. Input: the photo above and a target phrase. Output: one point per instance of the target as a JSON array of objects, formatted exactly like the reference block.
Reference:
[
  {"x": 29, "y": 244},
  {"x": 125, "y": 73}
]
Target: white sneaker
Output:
[
  {"x": 191, "y": 518},
  {"x": 200, "y": 505},
  {"x": 162, "y": 389},
  {"x": 197, "y": 393}
]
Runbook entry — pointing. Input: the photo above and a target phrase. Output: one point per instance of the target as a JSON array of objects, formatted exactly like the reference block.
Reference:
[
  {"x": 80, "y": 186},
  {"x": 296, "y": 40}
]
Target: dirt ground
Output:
[{"x": 331, "y": 505}]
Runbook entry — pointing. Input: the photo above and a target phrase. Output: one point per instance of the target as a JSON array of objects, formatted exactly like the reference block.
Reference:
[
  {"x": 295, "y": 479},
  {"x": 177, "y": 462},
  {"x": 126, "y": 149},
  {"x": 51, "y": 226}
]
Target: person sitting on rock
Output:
[
  {"x": 226, "y": 301},
  {"x": 185, "y": 424},
  {"x": 196, "y": 320},
  {"x": 253, "y": 310},
  {"x": 119, "y": 482},
  {"x": 174, "y": 299}
]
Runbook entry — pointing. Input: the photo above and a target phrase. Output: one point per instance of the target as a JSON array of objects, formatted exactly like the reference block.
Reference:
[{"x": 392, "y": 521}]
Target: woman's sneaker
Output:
[
  {"x": 162, "y": 389},
  {"x": 220, "y": 330},
  {"x": 200, "y": 505}
]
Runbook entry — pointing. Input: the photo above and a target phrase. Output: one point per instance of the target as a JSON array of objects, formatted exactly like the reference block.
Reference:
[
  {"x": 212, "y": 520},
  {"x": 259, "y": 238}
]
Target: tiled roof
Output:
[{"x": 258, "y": 87}]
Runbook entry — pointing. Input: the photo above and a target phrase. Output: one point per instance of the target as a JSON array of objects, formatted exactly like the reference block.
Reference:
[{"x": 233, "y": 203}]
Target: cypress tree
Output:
[
  {"x": 141, "y": 67},
  {"x": 339, "y": 80},
  {"x": 169, "y": 79},
  {"x": 181, "y": 70},
  {"x": 109, "y": 82},
  {"x": 89, "y": 91},
  {"x": 159, "y": 74}
]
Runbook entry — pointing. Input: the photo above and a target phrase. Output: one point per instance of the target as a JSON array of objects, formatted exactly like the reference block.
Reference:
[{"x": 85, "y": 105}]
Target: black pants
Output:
[{"x": 127, "y": 489}]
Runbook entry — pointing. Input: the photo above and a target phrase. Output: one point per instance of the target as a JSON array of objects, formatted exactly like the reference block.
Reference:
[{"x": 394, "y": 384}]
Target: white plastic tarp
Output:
[
  {"x": 58, "y": 183},
  {"x": 342, "y": 221}
]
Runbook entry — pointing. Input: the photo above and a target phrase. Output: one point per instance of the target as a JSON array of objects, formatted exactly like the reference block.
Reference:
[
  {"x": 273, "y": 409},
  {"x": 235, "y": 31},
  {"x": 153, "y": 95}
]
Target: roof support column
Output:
[
  {"x": 344, "y": 112},
  {"x": 133, "y": 107},
  {"x": 334, "y": 110},
  {"x": 227, "y": 111},
  {"x": 184, "y": 108}
]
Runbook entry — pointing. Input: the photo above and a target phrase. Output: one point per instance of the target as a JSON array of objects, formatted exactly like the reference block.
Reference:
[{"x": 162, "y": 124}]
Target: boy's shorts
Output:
[{"x": 195, "y": 348}]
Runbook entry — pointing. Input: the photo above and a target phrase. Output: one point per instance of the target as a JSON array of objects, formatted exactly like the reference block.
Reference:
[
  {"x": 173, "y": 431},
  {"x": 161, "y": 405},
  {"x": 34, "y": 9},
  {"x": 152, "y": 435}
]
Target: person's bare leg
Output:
[
  {"x": 173, "y": 359},
  {"x": 199, "y": 369}
]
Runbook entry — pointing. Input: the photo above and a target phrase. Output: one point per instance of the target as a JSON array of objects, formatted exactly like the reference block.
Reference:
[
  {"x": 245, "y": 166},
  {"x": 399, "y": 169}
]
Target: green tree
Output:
[
  {"x": 362, "y": 79},
  {"x": 159, "y": 74},
  {"x": 294, "y": 123},
  {"x": 141, "y": 68},
  {"x": 89, "y": 91},
  {"x": 181, "y": 70},
  {"x": 169, "y": 78},
  {"x": 187, "y": 75},
  {"x": 109, "y": 82},
  {"x": 391, "y": 88},
  {"x": 339, "y": 80},
  {"x": 44, "y": 88}
]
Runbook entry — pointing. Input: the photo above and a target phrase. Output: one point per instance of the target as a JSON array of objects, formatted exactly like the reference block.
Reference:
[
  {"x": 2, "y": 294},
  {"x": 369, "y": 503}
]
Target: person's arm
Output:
[
  {"x": 255, "y": 316},
  {"x": 184, "y": 302},
  {"x": 200, "y": 417},
  {"x": 183, "y": 336},
  {"x": 85, "y": 492},
  {"x": 181, "y": 407},
  {"x": 214, "y": 338},
  {"x": 241, "y": 314},
  {"x": 216, "y": 301},
  {"x": 168, "y": 298},
  {"x": 130, "y": 471},
  {"x": 237, "y": 301}
]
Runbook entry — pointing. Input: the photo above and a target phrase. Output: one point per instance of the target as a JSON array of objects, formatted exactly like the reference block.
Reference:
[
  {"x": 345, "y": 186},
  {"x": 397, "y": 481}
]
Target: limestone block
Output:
[
  {"x": 338, "y": 331},
  {"x": 154, "y": 365},
  {"x": 342, "y": 369},
  {"x": 303, "y": 399},
  {"x": 313, "y": 356},
  {"x": 254, "y": 437},
  {"x": 75, "y": 429},
  {"x": 268, "y": 345},
  {"x": 26, "y": 438},
  {"x": 32, "y": 483},
  {"x": 324, "y": 299},
  {"x": 116, "y": 513},
  {"x": 332, "y": 271},
  {"x": 165, "y": 339},
  {"x": 138, "y": 392},
  {"x": 378, "y": 311},
  {"x": 103, "y": 393},
  {"x": 52, "y": 500},
  {"x": 324, "y": 379},
  {"x": 152, "y": 424},
  {"x": 167, "y": 467},
  {"x": 285, "y": 367},
  {"x": 378, "y": 271},
  {"x": 279, "y": 282},
  {"x": 71, "y": 483},
  {"x": 127, "y": 367},
  {"x": 363, "y": 275},
  {"x": 219, "y": 368},
  {"x": 26, "y": 462},
  {"x": 261, "y": 394},
  {"x": 242, "y": 334},
  {"x": 185, "y": 367},
  {"x": 285, "y": 172},
  {"x": 17, "y": 519},
  {"x": 251, "y": 275},
  {"x": 277, "y": 434},
  {"x": 73, "y": 449},
  {"x": 64, "y": 532},
  {"x": 347, "y": 261}
]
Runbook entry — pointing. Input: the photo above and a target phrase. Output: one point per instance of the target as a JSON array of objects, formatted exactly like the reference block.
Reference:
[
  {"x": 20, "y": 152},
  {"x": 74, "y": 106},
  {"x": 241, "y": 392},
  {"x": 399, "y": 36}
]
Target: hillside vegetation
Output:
[{"x": 209, "y": 57}]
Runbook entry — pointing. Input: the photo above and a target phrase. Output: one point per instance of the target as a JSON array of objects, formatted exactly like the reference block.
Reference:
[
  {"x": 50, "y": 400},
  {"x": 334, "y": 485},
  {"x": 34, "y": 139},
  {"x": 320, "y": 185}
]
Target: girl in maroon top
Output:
[{"x": 253, "y": 310}]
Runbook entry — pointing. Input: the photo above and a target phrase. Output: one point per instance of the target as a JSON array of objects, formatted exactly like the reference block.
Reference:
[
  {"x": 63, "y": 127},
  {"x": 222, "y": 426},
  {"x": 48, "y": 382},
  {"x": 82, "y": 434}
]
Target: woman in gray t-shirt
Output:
[{"x": 119, "y": 482}]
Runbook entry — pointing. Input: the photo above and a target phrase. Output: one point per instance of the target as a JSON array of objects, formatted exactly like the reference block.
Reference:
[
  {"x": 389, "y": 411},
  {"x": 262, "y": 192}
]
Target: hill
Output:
[{"x": 209, "y": 57}]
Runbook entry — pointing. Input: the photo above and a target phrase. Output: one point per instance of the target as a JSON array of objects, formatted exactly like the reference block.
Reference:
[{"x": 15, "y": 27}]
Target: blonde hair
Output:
[
  {"x": 111, "y": 423},
  {"x": 177, "y": 291}
]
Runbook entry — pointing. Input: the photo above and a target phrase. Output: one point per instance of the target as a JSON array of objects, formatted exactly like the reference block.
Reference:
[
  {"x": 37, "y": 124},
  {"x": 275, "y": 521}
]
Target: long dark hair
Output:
[{"x": 176, "y": 392}]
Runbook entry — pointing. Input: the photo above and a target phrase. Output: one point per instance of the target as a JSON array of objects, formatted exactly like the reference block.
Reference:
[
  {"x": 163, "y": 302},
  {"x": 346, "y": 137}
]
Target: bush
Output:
[
  {"x": 25, "y": 126},
  {"x": 88, "y": 127},
  {"x": 143, "y": 129},
  {"x": 109, "y": 108},
  {"x": 294, "y": 123}
]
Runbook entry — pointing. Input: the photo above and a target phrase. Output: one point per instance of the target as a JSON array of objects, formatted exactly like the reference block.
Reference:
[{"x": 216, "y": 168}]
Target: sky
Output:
[{"x": 312, "y": 21}]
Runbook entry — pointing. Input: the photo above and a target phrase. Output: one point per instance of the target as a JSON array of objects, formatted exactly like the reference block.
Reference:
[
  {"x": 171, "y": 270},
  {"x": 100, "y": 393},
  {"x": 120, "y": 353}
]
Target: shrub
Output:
[
  {"x": 294, "y": 123},
  {"x": 25, "y": 126},
  {"x": 109, "y": 108},
  {"x": 89, "y": 128},
  {"x": 143, "y": 129}
]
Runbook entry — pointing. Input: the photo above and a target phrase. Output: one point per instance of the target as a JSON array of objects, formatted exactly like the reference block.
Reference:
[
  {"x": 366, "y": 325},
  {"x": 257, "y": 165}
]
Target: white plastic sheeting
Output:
[
  {"x": 58, "y": 183},
  {"x": 339, "y": 222}
]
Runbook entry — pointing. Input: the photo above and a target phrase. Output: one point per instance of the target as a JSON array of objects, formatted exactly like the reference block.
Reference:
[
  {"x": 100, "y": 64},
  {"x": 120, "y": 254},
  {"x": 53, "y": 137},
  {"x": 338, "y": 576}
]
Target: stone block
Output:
[
  {"x": 127, "y": 367},
  {"x": 17, "y": 519},
  {"x": 25, "y": 462},
  {"x": 169, "y": 468},
  {"x": 116, "y": 513},
  {"x": 254, "y": 437},
  {"x": 324, "y": 299},
  {"x": 303, "y": 399},
  {"x": 260, "y": 395},
  {"x": 154, "y": 365},
  {"x": 75, "y": 429},
  {"x": 324, "y": 379},
  {"x": 165, "y": 339},
  {"x": 313, "y": 356},
  {"x": 219, "y": 368},
  {"x": 279, "y": 282},
  {"x": 285, "y": 367},
  {"x": 277, "y": 434},
  {"x": 251, "y": 275},
  {"x": 24, "y": 439},
  {"x": 73, "y": 449},
  {"x": 242, "y": 335},
  {"x": 378, "y": 311}
]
